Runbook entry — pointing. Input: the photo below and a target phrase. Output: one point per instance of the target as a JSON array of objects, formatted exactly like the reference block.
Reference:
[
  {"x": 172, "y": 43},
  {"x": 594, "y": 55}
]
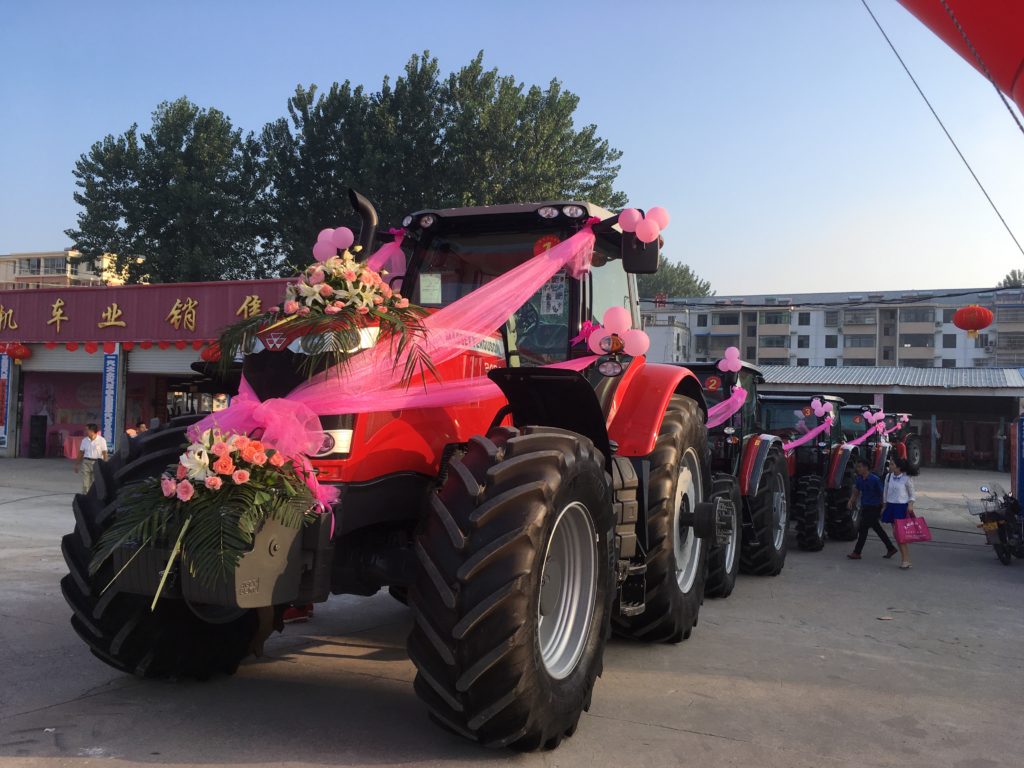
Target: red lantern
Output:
[
  {"x": 128, "y": 346},
  {"x": 197, "y": 344},
  {"x": 972, "y": 319},
  {"x": 18, "y": 352},
  {"x": 50, "y": 345},
  {"x": 211, "y": 354},
  {"x": 163, "y": 344},
  {"x": 146, "y": 344},
  {"x": 71, "y": 346},
  {"x": 91, "y": 347},
  {"x": 109, "y": 347},
  {"x": 180, "y": 344},
  {"x": 3, "y": 347}
]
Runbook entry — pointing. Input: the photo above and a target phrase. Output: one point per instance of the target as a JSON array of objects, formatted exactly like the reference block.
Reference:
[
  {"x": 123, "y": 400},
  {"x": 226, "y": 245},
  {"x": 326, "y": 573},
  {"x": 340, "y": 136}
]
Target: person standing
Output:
[
  {"x": 898, "y": 502},
  {"x": 868, "y": 491},
  {"x": 92, "y": 449}
]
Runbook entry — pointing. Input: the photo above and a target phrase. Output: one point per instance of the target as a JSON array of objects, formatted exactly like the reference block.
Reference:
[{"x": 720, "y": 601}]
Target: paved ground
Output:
[{"x": 833, "y": 663}]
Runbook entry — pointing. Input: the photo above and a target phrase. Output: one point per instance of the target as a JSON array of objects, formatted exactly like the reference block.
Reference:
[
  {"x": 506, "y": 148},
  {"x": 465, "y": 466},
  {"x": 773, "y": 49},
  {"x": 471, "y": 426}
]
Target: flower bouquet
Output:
[
  {"x": 337, "y": 306},
  {"x": 209, "y": 507}
]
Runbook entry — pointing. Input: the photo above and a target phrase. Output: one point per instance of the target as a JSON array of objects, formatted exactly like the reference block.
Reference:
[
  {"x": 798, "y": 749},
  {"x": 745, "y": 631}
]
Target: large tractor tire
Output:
[
  {"x": 843, "y": 523},
  {"x": 764, "y": 548},
  {"x": 913, "y": 443},
  {"x": 513, "y": 588},
  {"x": 724, "y": 559},
  {"x": 810, "y": 507},
  {"x": 119, "y": 628},
  {"x": 676, "y": 558}
]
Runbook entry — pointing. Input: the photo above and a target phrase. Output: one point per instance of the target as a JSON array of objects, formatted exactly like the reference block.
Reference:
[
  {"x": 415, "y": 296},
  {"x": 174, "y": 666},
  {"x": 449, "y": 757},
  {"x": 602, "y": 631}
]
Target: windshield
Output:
[
  {"x": 854, "y": 423},
  {"x": 787, "y": 417}
]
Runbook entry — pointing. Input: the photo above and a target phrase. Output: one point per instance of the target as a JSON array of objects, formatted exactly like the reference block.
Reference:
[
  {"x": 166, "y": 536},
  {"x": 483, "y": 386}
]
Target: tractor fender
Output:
[
  {"x": 841, "y": 458},
  {"x": 881, "y": 458},
  {"x": 755, "y": 453},
  {"x": 642, "y": 400}
]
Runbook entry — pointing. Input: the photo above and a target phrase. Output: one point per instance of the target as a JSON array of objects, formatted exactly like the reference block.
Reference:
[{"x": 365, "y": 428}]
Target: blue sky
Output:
[{"x": 791, "y": 150}]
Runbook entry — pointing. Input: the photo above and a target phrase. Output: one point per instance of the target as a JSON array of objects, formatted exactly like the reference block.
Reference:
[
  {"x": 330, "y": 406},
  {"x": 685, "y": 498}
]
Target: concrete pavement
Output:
[{"x": 833, "y": 662}]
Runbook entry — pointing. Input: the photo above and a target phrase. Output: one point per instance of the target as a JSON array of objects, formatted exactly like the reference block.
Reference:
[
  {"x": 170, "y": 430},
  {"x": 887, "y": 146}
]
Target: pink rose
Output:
[
  {"x": 386, "y": 290},
  {"x": 220, "y": 448},
  {"x": 240, "y": 476},
  {"x": 213, "y": 483},
  {"x": 303, "y": 311},
  {"x": 378, "y": 300},
  {"x": 277, "y": 460},
  {"x": 402, "y": 304},
  {"x": 240, "y": 442},
  {"x": 168, "y": 486},
  {"x": 185, "y": 490},
  {"x": 326, "y": 291},
  {"x": 181, "y": 472},
  {"x": 224, "y": 465},
  {"x": 259, "y": 459},
  {"x": 332, "y": 309},
  {"x": 363, "y": 310},
  {"x": 349, "y": 275},
  {"x": 316, "y": 276},
  {"x": 291, "y": 307}
]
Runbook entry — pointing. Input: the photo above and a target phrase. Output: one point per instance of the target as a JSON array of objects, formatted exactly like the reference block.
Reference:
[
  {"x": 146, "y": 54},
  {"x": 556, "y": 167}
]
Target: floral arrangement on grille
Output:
[
  {"x": 337, "y": 306},
  {"x": 208, "y": 508}
]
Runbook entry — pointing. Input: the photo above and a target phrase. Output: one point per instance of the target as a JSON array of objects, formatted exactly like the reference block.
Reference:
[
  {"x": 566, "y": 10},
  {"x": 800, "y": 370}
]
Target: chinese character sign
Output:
[
  {"x": 111, "y": 316},
  {"x": 7, "y": 319},
  {"x": 57, "y": 315},
  {"x": 251, "y": 306},
  {"x": 183, "y": 313}
]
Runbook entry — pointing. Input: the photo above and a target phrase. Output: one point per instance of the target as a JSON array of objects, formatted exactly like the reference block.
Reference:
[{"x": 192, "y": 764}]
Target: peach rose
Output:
[
  {"x": 185, "y": 490},
  {"x": 277, "y": 460},
  {"x": 213, "y": 483},
  {"x": 220, "y": 448},
  {"x": 332, "y": 309},
  {"x": 291, "y": 307},
  {"x": 259, "y": 459},
  {"x": 402, "y": 303},
  {"x": 224, "y": 465},
  {"x": 363, "y": 310},
  {"x": 240, "y": 476},
  {"x": 326, "y": 291}
]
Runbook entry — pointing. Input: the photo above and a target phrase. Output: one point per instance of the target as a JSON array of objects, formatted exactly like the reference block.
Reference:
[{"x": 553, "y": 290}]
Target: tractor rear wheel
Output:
[
  {"x": 764, "y": 548},
  {"x": 913, "y": 443},
  {"x": 724, "y": 559},
  {"x": 843, "y": 523},
  {"x": 119, "y": 628},
  {"x": 809, "y": 509},
  {"x": 676, "y": 558},
  {"x": 513, "y": 588}
]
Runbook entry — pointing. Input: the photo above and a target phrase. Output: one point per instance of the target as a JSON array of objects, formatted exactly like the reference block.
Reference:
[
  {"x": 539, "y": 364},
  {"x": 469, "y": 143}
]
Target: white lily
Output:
[{"x": 196, "y": 461}]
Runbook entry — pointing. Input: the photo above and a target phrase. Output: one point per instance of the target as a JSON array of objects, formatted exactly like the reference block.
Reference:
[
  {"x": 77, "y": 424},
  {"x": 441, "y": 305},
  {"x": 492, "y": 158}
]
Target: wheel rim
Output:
[
  {"x": 734, "y": 537},
  {"x": 686, "y": 546},
  {"x": 855, "y": 515},
  {"x": 914, "y": 454},
  {"x": 780, "y": 515},
  {"x": 568, "y": 589},
  {"x": 819, "y": 528}
]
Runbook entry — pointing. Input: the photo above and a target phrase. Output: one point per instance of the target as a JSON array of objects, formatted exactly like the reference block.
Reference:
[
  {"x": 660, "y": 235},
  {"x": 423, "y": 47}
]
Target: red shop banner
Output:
[{"x": 167, "y": 312}]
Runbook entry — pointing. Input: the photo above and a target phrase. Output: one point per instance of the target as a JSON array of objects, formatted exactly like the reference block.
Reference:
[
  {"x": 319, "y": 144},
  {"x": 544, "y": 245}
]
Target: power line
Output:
[{"x": 942, "y": 125}]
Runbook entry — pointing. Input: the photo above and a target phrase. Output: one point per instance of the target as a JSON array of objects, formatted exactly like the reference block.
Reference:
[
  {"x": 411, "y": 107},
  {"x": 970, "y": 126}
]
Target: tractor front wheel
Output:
[
  {"x": 843, "y": 523},
  {"x": 764, "y": 543},
  {"x": 513, "y": 588},
  {"x": 810, "y": 505},
  {"x": 724, "y": 559}
]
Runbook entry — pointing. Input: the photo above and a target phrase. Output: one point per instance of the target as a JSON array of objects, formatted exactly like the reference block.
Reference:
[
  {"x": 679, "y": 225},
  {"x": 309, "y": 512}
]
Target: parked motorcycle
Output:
[{"x": 1001, "y": 520}]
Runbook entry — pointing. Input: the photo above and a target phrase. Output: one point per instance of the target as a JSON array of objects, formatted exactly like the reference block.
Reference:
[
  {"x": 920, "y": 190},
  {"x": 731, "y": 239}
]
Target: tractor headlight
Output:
[
  {"x": 573, "y": 211},
  {"x": 547, "y": 212},
  {"x": 335, "y": 441}
]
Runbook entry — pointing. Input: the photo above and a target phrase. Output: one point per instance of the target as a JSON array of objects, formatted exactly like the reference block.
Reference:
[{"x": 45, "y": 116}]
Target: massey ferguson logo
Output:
[{"x": 275, "y": 341}]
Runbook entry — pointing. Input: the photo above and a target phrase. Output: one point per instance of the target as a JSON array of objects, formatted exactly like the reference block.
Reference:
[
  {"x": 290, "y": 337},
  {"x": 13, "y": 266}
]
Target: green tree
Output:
[
  {"x": 178, "y": 203},
  {"x": 1014, "y": 279},
  {"x": 672, "y": 279},
  {"x": 473, "y": 138}
]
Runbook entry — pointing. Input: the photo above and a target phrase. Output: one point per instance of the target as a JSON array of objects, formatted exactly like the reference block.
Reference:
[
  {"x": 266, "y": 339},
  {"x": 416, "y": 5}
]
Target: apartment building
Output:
[
  {"x": 888, "y": 328},
  {"x": 54, "y": 269}
]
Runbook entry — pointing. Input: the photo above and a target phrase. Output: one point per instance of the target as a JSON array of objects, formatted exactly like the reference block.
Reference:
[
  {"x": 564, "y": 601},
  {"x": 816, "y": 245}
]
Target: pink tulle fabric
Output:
[
  {"x": 390, "y": 257},
  {"x": 723, "y": 411},
  {"x": 874, "y": 430},
  {"x": 894, "y": 428},
  {"x": 811, "y": 434}
]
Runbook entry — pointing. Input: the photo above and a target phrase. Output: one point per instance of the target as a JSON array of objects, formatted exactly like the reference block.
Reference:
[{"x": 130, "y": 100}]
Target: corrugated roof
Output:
[{"x": 878, "y": 376}]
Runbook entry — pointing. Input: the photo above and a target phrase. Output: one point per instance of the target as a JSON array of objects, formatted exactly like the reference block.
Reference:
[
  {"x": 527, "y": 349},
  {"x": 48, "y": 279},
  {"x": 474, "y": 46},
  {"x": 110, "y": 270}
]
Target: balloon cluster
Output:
[
  {"x": 874, "y": 418},
  {"x": 820, "y": 409},
  {"x": 330, "y": 241},
  {"x": 904, "y": 418},
  {"x": 730, "y": 362},
  {"x": 647, "y": 228},
  {"x": 617, "y": 326}
]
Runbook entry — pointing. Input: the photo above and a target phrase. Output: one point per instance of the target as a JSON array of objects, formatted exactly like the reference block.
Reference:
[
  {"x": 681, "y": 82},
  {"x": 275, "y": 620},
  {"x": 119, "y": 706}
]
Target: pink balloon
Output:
[
  {"x": 647, "y": 231},
  {"x": 629, "y": 218},
  {"x": 659, "y": 216},
  {"x": 325, "y": 235},
  {"x": 343, "y": 238},
  {"x": 617, "y": 320},
  {"x": 637, "y": 342},
  {"x": 594, "y": 342},
  {"x": 324, "y": 250}
]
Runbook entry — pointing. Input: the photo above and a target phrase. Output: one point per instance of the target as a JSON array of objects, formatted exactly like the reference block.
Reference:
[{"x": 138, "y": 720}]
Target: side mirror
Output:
[{"x": 639, "y": 258}]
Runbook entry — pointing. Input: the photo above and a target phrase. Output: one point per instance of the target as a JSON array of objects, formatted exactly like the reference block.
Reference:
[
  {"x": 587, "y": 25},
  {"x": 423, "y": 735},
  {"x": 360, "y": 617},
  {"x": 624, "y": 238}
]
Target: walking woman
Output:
[{"x": 898, "y": 502}]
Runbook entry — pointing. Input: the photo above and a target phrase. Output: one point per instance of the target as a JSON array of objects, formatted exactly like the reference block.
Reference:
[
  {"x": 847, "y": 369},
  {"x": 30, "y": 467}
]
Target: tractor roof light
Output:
[
  {"x": 407, "y": 221},
  {"x": 547, "y": 212},
  {"x": 573, "y": 211},
  {"x": 610, "y": 368}
]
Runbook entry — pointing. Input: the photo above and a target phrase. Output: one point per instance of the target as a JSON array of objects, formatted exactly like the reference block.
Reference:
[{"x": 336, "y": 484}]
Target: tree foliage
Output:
[
  {"x": 672, "y": 279},
  {"x": 178, "y": 203},
  {"x": 1014, "y": 279}
]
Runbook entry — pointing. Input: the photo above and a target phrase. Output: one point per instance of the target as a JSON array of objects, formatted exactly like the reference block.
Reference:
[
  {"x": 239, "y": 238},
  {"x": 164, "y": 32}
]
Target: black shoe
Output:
[{"x": 890, "y": 553}]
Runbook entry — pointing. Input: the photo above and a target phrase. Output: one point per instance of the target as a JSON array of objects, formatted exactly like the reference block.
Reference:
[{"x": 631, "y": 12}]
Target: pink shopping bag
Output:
[{"x": 912, "y": 529}]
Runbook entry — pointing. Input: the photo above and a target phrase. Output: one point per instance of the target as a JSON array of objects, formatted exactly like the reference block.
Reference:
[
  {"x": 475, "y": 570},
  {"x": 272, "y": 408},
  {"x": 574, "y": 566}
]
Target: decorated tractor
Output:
[
  {"x": 446, "y": 419},
  {"x": 864, "y": 426},
  {"x": 749, "y": 467},
  {"x": 905, "y": 440},
  {"x": 820, "y": 463}
]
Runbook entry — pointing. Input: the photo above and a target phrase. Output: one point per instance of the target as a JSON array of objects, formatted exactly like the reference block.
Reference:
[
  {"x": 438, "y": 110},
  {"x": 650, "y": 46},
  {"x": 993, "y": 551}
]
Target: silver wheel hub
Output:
[
  {"x": 568, "y": 591},
  {"x": 686, "y": 546},
  {"x": 780, "y": 514},
  {"x": 820, "y": 510}
]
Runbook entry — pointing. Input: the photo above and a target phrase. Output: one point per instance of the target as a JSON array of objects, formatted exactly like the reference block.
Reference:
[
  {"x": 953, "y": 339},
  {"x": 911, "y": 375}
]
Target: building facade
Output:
[
  {"x": 892, "y": 328},
  {"x": 54, "y": 269}
]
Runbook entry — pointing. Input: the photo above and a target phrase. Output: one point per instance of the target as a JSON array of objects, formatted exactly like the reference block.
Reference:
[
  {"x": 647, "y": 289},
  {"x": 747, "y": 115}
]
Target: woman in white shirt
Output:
[{"x": 898, "y": 502}]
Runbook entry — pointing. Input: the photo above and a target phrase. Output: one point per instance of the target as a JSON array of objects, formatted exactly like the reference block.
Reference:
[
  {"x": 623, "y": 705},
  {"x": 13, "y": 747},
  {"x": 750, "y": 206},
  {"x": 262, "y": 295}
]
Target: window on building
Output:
[
  {"x": 1011, "y": 342},
  {"x": 725, "y": 318},
  {"x": 858, "y": 363},
  {"x": 982, "y": 362},
  {"x": 949, "y": 363},
  {"x": 887, "y": 353},
  {"x": 949, "y": 341},
  {"x": 702, "y": 321},
  {"x": 803, "y": 342},
  {"x": 832, "y": 318},
  {"x": 718, "y": 344},
  {"x": 679, "y": 343},
  {"x": 831, "y": 341},
  {"x": 916, "y": 364},
  {"x": 803, "y": 318},
  {"x": 858, "y": 317},
  {"x": 774, "y": 342},
  {"x": 947, "y": 315},
  {"x": 982, "y": 340},
  {"x": 917, "y": 315},
  {"x": 1009, "y": 315},
  {"x": 751, "y": 353},
  {"x": 775, "y": 318},
  {"x": 671, "y": 319},
  {"x": 917, "y": 340},
  {"x": 859, "y": 340},
  {"x": 751, "y": 330},
  {"x": 830, "y": 362},
  {"x": 702, "y": 345},
  {"x": 802, "y": 362}
]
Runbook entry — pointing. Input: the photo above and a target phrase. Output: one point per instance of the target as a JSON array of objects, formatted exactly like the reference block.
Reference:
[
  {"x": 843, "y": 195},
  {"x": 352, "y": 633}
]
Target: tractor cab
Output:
[
  {"x": 790, "y": 417},
  {"x": 875, "y": 447},
  {"x": 726, "y": 440}
]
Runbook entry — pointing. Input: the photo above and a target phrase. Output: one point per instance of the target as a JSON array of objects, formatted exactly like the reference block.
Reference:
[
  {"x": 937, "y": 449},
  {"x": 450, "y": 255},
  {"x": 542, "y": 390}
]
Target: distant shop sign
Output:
[
  {"x": 110, "y": 370},
  {"x": 5, "y": 397}
]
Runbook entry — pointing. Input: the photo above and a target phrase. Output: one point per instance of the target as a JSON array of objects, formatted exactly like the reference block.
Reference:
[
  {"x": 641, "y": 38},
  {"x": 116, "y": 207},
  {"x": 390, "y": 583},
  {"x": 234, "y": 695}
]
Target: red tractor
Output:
[
  {"x": 519, "y": 530},
  {"x": 876, "y": 447},
  {"x": 906, "y": 440}
]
